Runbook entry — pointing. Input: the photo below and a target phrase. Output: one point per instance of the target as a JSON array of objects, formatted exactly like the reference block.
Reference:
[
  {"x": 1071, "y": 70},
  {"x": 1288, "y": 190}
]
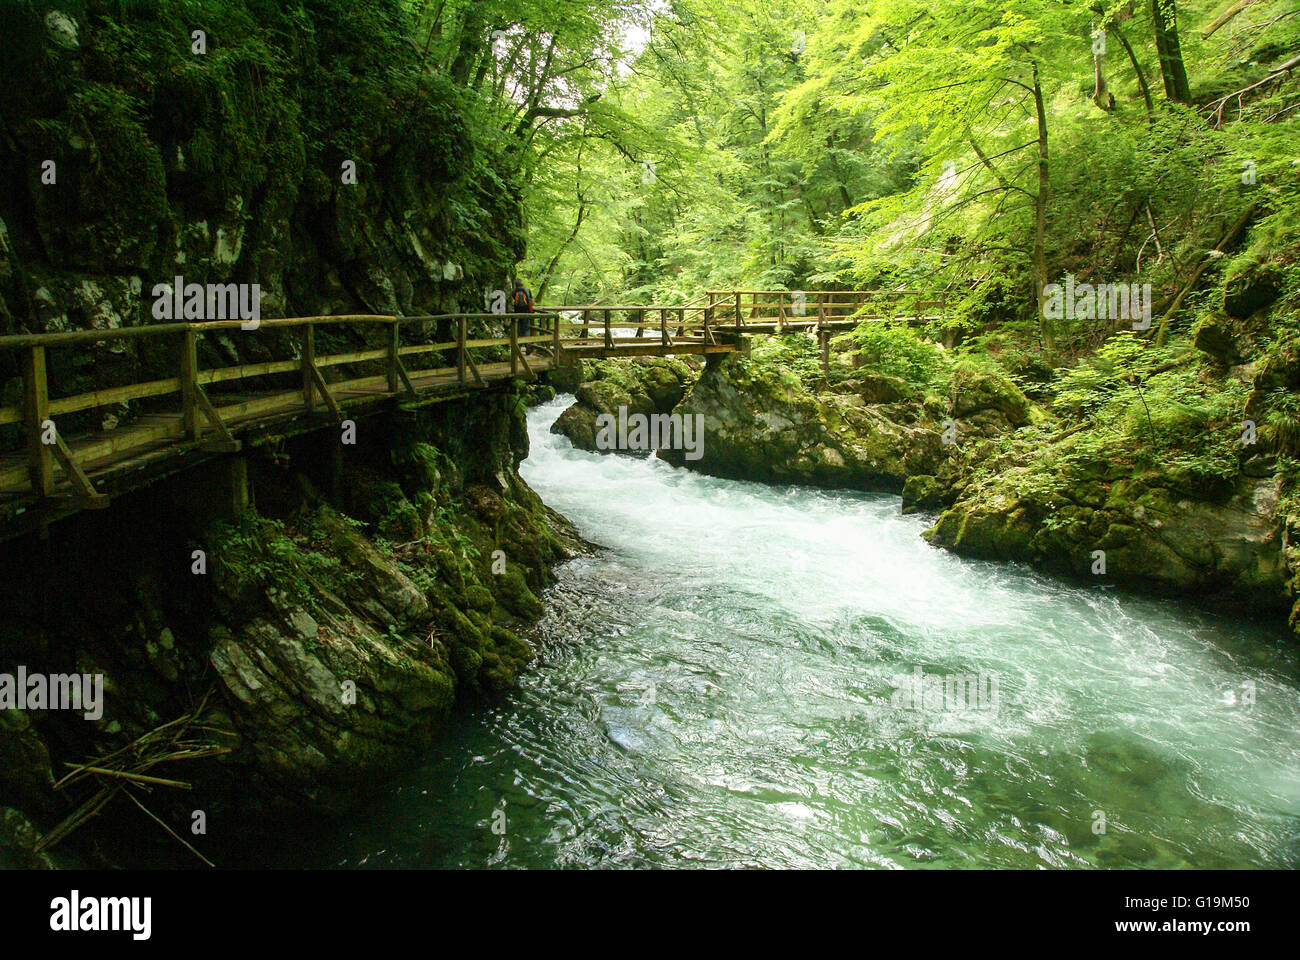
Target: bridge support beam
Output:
[{"x": 228, "y": 492}]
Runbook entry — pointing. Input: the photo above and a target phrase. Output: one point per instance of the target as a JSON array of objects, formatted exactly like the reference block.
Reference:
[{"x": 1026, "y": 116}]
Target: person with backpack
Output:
[{"x": 521, "y": 301}]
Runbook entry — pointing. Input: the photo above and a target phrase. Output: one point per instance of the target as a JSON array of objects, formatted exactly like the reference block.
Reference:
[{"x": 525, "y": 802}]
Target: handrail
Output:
[
  {"x": 20, "y": 340},
  {"x": 46, "y": 446},
  {"x": 62, "y": 337},
  {"x": 201, "y": 421},
  {"x": 810, "y": 293}
]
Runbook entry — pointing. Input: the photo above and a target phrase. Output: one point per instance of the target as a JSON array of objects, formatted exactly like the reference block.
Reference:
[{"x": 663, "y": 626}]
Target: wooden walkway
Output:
[{"x": 54, "y": 475}]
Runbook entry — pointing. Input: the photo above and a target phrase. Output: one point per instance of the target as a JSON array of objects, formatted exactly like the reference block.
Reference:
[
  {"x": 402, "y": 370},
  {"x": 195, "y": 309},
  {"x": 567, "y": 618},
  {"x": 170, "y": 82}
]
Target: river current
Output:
[{"x": 732, "y": 682}]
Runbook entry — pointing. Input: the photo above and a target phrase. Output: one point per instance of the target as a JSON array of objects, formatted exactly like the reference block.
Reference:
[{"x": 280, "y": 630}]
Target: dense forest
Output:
[{"x": 1077, "y": 458}]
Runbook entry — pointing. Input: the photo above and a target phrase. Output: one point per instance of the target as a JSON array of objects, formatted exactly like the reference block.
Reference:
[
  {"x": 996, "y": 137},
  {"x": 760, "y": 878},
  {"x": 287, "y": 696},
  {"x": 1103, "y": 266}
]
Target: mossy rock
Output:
[
  {"x": 878, "y": 388},
  {"x": 975, "y": 390},
  {"x": 1251, "y": 290},
  {"x": 921, "y": 492},
  {"x": 1214, "y": 336}
]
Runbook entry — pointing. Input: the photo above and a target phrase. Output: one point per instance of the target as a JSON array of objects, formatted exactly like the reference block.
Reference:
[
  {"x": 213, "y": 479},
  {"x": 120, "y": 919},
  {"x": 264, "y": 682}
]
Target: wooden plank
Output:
[
  {"x": 404, "y": 377},
  {"x": 361, "y": 356},
  {"x": 103, "y": 398},
  {"x": 23, "y": 341},
  {"x": 473, "y": 368},
  {"x": 36, "y": 395},
  {"x": 189, "y": 384},
  {"x": 417, "y": 348},
  {"x": 325, "y": 391},
  {"x": 394, "y": 344},
  {"x": 246, "y": 370},
  {"x": 307, "y": 360},
  {"x": 518, "y": 352},
  {"x": 211, "y": 413},
  {"x": 460, "y": 350}
]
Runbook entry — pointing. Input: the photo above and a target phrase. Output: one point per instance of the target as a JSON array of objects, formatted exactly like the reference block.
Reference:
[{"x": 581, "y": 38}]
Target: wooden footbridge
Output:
[{"x": 187, "y": 413}]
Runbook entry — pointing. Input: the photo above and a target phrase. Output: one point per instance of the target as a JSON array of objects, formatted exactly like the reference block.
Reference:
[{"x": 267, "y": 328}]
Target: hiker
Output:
[{"x": 521, "y": 301}]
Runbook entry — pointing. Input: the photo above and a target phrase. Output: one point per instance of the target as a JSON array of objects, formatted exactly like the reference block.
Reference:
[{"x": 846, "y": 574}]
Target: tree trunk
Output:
[
  {"x": 1040, "y": 223},
  {"x": 1101, "y": 96},
  {"x": 1141, "y": 75},
  {"x": 1164, "y": 16}
]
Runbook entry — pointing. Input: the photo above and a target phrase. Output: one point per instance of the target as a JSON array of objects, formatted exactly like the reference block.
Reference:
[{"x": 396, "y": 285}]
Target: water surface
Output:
[{"x": 715, "y": 690}]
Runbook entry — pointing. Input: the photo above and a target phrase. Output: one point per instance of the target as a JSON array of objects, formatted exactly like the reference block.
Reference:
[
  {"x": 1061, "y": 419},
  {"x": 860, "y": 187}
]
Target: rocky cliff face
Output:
[{"x": 303, "y": 149}]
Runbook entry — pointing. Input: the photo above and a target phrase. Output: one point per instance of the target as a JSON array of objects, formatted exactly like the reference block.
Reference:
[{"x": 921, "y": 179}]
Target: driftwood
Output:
[{"x": 116, "y": 772}]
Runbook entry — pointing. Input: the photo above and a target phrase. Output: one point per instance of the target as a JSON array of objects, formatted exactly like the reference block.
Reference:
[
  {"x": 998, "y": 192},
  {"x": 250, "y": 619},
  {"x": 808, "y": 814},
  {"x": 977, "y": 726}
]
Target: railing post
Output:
[
  {"x": 555, "y": 339},
  {"x": 663, "y": 325},
  {"x": 513, "y": 329},
  {"x": 37, "y": 402},
  {"x": 823, "y": 338},
  {"x": 190, "y": 384},
  {"x": 780, "y": 312},
  {"x": 586, "y": 321},
  {"x": 394, "y": 342},
  {"x": 738, "y": 322},
  {"x": 609, "y": 336},
  {"x": 308, "y": 361},
  {"x": 460, "y": 349}
]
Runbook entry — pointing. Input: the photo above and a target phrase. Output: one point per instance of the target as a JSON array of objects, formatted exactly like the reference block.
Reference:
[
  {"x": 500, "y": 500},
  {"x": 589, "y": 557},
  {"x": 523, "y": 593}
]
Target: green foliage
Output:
[
  {"x": 1144, "y": 408},
  {"x": 897, "y": 350},
  {"x": 796, "y": 357},
  {"x": 1122, "y": 361},
  {"x": 271, "y": 555}
]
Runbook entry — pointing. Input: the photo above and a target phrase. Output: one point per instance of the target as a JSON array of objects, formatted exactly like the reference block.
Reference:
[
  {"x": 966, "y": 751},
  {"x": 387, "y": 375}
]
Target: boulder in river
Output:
[
  {"x": 653, "y": 385},
  {"x": 763, "y": 423}
]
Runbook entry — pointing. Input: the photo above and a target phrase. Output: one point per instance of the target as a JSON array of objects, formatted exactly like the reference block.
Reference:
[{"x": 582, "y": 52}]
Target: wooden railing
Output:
[
  {"x": 710, "y": 323},
  {"x": 200, "y": 419},
  {"x": 796, "y": 309},
  {"x": 673, "y": 322}
]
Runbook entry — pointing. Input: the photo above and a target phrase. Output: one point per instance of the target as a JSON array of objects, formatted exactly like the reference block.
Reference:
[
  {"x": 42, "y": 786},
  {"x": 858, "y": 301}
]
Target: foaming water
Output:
[{"x": 718, "y": 687}]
